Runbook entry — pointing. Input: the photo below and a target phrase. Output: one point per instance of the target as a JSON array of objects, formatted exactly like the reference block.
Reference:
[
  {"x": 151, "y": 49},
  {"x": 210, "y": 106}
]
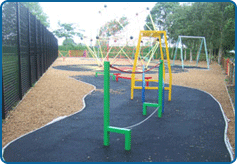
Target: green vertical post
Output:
[
  {"x": 160, "y": 88},
  {"x": 128, "y": 140},
  {"x": 107, "y": 128},
  {"x": 144, "y": 109},
  {"x": 106, "y": 102},
  {"x": 158, "y": 105}
]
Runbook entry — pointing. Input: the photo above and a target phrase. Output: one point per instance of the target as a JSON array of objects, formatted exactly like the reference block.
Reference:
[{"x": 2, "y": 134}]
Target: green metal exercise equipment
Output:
[
  {"x": 102, "y": 73},
  {"x": 107, "y": 128},
  {"x": 160, "y": 93}
]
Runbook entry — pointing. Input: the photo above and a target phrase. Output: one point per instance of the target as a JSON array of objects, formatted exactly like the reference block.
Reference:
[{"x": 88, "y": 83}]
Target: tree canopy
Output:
[
  {"x": 69, "y": 41},
  {"x": 37, "y": 10},
  {"x": 159, "y": 13},
  {"x": 67, "y": 31},
  {"x": 213, "y": 20}
]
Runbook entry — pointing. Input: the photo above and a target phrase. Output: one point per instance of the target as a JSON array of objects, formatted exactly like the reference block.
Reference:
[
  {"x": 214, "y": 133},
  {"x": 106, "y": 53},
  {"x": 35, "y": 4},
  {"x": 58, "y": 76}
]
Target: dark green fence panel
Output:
[
  {"x": 28, "y": 49},
  {"x": 38, "y": 45},
  {"x": 24, "y": 48},
  {"x": 33, "y": 54},
  {"x": 10, "y": 67}
]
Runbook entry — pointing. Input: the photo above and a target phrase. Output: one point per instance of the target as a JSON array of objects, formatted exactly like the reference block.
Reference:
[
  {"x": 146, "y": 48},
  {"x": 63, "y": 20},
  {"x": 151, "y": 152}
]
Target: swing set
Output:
[{"x": 203, "y": 42}]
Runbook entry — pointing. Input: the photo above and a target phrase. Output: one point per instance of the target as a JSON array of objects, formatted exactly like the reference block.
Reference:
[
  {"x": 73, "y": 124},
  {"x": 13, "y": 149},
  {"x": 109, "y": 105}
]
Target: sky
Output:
[{"x": 90, "y": 16}]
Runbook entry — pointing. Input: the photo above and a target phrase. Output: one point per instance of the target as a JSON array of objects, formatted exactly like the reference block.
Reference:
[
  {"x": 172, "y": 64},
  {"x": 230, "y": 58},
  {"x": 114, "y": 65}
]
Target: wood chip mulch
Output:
[{"x": 55, "y": 95}]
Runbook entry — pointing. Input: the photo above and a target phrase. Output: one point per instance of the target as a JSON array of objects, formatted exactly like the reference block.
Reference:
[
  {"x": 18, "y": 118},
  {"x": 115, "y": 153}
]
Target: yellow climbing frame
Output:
[{"x": 154, "y": 34}]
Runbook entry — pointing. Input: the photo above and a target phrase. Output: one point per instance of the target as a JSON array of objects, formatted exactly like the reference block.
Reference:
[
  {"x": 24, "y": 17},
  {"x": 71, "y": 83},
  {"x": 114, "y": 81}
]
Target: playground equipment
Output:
[
  {"x": 160, "y": 104},
  {"x": 127, "y": 131},
  {"x": 154, "y": 34},
  {"x": 118, "y": 75},
  {"x": 107, "y": 127},
  {"x": 203, "y": 42},
  {"x": 102, "y": 73},
  {"x": 144, "y": 84},
  {"x": 121, "y": 52},
  {"x": 117, "y": 42}
]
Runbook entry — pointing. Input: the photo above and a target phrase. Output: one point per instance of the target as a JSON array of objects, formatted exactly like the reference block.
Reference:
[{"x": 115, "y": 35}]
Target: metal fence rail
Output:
[{"x": 28, "y": 49}]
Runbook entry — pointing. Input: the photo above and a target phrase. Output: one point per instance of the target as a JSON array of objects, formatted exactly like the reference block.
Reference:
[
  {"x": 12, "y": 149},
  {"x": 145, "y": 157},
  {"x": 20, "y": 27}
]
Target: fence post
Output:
[
  {"x": 222, "y": 62},
  {"x": 227, "y": 65},
  {"x": 45, "y": 49},
  {"x": 36, "y": 50},
  {"x": 41, "y": 48},
  {"x": 3, "y": 100},
  {"x": 29, "y": 41},
  {"x": 234, "y": 75},
  {"x": 18, "y": 48}
]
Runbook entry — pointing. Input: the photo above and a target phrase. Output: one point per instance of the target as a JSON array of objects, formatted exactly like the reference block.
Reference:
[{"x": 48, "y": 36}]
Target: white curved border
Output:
[
  {"x": 230, "y": 99},
  {"x": 56, "y": 119},
  {"x": 226, "y": 139}
]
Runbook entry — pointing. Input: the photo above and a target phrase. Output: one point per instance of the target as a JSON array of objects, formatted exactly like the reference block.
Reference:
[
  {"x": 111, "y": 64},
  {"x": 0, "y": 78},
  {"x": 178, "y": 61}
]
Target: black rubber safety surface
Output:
[
  {"x": 191, "y": 129},
  {"x": 91, "y": 67}
]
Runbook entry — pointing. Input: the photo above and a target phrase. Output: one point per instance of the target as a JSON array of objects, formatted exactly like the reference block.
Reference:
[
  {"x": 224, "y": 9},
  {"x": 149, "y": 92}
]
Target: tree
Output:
[
  {"x": 9, "y": 24},
  {"x": 112, "y": 27},
  {"x": 67, "y": 31},
  {"x": 214, "y": 21},
  {"x": 37, "y": 10},
  {"x": 68, "y": 42},
  {"x": 229, "y": 28},
  {"x": 159, "y": 13},
  {"x": 180, "y": 22}
]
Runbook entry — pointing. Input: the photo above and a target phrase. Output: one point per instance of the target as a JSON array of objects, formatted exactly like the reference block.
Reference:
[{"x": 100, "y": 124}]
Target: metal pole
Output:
[
  {"x": 29, "y": 41},
  {"x": 3, "y": 100},
  {"x": 143, "y": 84},
  {"x": 18, "y": 48},
  {"x": 205, "y": 45},
  {"x": 175, "y": 53},
  {"x": 135, "y": 65},
  {"x": 42, "y": 49},
  {"x": 169, "y": 67},
  {"x": 107, "y": 128},
  {"x": 106, "y": 103},
  {"x": 199, "y": 52},
  {"x": 36, "y": 50},
  {"x": 198, "y": 37},
  {"x": 161, "y": 51},
  {"x": 160, "y": 87},
  {"x": 182, "y": 54}
]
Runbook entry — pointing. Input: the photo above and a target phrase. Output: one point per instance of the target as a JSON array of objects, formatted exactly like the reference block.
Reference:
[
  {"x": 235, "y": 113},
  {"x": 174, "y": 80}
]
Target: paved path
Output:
[{"x": 191, "y": 129}]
